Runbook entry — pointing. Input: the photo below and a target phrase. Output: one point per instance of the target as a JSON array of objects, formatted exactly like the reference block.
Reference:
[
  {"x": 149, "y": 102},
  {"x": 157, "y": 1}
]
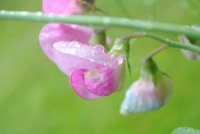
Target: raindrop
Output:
[
  {"x": 92, "y": 60},
  {"x": 75, "y": 44},
  {"x": 99, "y": 48},
  {"x": 71, "y": 51},
  {"x": 120, "y": 60}
]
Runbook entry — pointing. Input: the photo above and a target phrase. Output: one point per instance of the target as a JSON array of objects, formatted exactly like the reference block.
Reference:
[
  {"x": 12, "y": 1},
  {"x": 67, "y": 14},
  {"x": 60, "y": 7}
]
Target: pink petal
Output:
[
  {"x": 102, "y": 81},
  {"x": 72, "y": 56},
  {"x": 76, "y": 81},
  {"x": 54, "y": 32},
  {"x": 62, "y": 7}
]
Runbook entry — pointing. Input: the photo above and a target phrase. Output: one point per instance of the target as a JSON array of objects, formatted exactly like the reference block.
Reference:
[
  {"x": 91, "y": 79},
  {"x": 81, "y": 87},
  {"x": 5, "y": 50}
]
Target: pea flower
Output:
[
  {"x": 150, "y": 92},
  {"x": 92, "y": 72},
  {"x": 65, "y": 7}
]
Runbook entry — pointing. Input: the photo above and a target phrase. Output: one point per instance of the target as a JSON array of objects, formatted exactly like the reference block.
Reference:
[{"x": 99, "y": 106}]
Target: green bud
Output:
[{"x": 121, "y": 46}]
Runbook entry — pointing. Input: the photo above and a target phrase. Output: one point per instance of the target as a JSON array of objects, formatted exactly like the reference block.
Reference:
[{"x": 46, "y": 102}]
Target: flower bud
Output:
[
  {"x": 189, "y": 41},
  {"x": 189, "y": 54},
  {"x": 150, "y": 92},
  {"x": 121, "y": 45}
]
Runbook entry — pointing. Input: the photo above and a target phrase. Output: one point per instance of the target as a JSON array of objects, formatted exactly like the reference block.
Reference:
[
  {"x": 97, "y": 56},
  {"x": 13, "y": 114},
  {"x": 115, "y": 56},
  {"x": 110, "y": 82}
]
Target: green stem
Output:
[
  {"x": 154, "y": 52},
  {"x": 167, "y": 41},
  {"x": 102, "y": 21},
  {"x": 112, "y": 21},
  {"x": 174, "y": 44}
]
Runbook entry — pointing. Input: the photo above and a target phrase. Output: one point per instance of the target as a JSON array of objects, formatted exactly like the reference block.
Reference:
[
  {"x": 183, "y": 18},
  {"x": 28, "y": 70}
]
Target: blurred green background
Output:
[{"x": 35, "y": 97}]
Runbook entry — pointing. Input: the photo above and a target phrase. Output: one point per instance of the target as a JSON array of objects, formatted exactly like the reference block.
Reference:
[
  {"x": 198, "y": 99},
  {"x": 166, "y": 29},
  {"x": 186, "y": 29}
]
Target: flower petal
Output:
[
  {"x": 62, "y": 7},
  {"x": 101, "y": 81},
  {"x": 54, "y": 32},
  {"x": 72, "y": 56},
  {"x": 76, "y": 81},
  {"x": 141, "y": 97}
]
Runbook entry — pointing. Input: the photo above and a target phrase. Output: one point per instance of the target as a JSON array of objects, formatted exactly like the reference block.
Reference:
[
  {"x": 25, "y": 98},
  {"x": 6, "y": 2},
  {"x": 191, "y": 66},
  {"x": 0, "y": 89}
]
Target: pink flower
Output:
[
  {"x": 64, "y": 7},
  {"x": 150, "y": 92},
  {"x": 92, "y": 72}
]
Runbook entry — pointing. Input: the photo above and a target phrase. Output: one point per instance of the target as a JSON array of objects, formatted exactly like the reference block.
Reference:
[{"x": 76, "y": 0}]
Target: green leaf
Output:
[{"x": 186, "y": 130}]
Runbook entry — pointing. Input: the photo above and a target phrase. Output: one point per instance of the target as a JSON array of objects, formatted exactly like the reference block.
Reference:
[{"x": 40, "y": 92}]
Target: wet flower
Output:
[
  {"x": 150, "y": 92},
  {"x": 65, "y": 7},
  {"x": 92, "y": 72}
]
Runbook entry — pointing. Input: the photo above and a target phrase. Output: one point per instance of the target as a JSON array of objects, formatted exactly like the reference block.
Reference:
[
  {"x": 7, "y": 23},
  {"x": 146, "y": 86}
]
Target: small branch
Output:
[
  {"x": 112, "y": 21},
  {"x": 174, "y": 44},
  {"x": 155, "y": 52},
  {"x": 136, "y": 35},
  {"x": 102, "y": 21}
]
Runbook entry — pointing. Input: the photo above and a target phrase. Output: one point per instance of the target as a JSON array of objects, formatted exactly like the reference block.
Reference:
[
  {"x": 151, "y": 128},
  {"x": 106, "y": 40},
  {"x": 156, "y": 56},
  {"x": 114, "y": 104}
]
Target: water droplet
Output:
[
  {"x": 106, "y": 20},
  {"x": 104, "y": 64},
  {"x": 92, "y": 60},
  {"x": 71, "y": 51},
  {"x": 99, "y": 48},
  {"x": 75, "y": 44},
  {"x": 196, "y": 27},
  {"x": 120, "y": 60},
  {"x": 23, "y": 13}
]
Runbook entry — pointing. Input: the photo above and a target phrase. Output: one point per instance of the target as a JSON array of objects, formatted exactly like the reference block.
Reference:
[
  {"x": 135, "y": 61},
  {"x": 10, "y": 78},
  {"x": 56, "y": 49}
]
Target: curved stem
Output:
[
  {"x": 174, "y": 44},
  {"x": 167, "y": 41},
  {"x": 102, "y": 21},
  {"x": 155, "y": 52}
]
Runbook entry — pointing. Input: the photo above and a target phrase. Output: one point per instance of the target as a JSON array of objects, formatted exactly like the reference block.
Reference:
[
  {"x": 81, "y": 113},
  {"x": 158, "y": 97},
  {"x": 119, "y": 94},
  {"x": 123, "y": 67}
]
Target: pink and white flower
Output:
[
  {"x": 92, "y": 72},
  {"x": 150, "y": 92}
]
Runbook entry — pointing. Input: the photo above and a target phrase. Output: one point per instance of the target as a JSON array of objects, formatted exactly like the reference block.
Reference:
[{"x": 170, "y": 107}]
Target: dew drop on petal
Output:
[
  {"x": 99, "y": 47},
  {"x": 75, "y": 44},
  {"x": 92, "y": 60},
  {"x": 120, "y": 60}
]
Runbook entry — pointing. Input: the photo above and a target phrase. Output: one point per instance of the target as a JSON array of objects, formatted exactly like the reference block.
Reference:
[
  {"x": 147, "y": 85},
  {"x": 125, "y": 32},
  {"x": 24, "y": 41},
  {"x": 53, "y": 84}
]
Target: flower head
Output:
[
  {"x": 150, "y": 92},
  {"x": 65, "y": 7},
  {"x": 92, "y": 72}
]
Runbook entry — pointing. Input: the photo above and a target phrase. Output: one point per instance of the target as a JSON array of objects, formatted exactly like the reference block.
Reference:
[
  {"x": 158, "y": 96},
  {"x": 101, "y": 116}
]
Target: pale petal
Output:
[
  {"x": 141, "y": 97},
  {"x": 55, "y": 32},
  {"x": 71, "y": 56},
  {"x": 62, "y": 7}
]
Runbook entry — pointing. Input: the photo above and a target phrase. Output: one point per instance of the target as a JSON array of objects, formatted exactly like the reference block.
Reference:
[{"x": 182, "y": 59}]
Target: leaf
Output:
[{"x": 186, "y": 130}]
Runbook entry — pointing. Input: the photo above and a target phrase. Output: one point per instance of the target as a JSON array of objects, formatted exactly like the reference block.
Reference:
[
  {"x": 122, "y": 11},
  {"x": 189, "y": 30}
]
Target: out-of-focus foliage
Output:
[
  {"x": 186, "y": 130},
  {"x": 35, "y": 97}
]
